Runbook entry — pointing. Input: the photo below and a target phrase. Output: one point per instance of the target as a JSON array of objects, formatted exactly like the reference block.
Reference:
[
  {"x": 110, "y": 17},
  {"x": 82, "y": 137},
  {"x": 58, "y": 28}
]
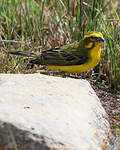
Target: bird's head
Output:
[{"x": 92, "y": 39}]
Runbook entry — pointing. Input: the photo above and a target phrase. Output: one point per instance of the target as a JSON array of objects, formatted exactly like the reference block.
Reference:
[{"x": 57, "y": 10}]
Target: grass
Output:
[{"x": 44, "y": 23}]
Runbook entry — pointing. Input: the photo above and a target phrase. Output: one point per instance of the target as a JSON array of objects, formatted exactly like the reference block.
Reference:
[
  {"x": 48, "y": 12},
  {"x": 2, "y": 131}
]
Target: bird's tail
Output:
[{"x": 22, "y": 53}]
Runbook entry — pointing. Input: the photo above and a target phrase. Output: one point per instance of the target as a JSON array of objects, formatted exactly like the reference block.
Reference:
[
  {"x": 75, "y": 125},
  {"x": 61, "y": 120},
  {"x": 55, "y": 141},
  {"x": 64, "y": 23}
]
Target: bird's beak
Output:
[{"x": 101, "y": 39}]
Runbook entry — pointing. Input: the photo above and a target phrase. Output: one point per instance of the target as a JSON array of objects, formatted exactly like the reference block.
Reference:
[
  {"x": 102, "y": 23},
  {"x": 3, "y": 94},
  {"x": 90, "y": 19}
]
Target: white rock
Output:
[{"x": 46, "y": 112}]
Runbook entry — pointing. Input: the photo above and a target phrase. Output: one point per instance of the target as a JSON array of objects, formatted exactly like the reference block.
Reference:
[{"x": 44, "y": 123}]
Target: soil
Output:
[{"x": 111, "y": 103}]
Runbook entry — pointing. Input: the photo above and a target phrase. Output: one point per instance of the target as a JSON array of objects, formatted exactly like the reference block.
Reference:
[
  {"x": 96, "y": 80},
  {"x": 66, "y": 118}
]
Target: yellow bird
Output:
[{"x": 72, "y": 58}]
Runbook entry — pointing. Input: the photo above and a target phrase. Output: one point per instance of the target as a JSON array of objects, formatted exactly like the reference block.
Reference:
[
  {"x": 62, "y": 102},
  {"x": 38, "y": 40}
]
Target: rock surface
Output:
[{"x": 39, "y": 112}]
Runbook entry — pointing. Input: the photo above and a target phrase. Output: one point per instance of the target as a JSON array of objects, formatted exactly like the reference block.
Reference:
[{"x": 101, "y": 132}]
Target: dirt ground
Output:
[{"x": 111, "y": 103}]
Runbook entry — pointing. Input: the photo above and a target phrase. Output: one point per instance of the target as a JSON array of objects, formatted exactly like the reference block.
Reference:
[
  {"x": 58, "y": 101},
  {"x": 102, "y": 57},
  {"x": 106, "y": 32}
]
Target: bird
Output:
[{"x": 72, "y": 58}]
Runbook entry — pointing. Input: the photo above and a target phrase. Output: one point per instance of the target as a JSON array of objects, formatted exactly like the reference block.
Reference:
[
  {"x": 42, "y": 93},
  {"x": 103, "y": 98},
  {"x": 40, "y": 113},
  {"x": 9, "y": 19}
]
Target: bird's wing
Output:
[{"x": 62, "y": 56}]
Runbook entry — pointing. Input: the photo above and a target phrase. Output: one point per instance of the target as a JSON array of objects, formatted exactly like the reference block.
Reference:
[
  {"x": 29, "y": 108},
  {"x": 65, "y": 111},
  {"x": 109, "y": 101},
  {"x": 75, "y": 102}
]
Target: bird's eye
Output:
[{"x": 92, "y": 37}]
